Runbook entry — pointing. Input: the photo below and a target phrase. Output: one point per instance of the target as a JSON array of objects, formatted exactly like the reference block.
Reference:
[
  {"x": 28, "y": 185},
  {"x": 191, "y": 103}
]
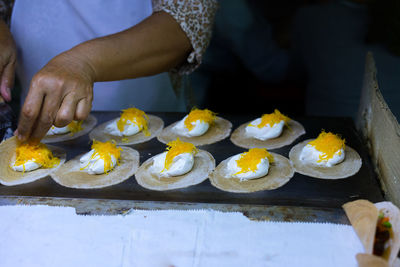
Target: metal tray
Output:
[{"x": 300, "y": 191}]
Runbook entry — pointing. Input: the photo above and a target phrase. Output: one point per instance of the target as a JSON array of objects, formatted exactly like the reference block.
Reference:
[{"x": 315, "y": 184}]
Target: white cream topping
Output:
[
  {"x": 266, "y": 132},
  {"x": 94, "y": 165},
  {"x": 30, "y": 165},
  {"x": 58, "y": 130},
  {"x": 130, "y": 128},
  {"x": 311, "y": 156},
  {"x": 181, "y": 164},
  {"x": 233, "y": 168},
  {"x": 200, "y": 128}
]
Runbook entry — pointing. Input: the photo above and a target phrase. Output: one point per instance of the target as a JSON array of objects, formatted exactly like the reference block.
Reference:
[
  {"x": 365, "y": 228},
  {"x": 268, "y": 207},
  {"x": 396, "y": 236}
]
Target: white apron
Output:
[{"x": 43, "y": 29}]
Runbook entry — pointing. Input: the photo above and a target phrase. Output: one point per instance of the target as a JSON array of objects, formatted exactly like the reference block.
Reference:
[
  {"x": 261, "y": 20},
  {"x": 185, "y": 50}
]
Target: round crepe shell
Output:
[
  {"x": 154, "y": 124},
  {"x": 70, "y": 174},
  {"x": 87, "y": 126},
  {"x": 204, "y": 163},
  {"x": 368, "y": 260},
  {"x": 279, "y": 173},
  {"x": 218, "y": 131},
  {"x": 363, "y": 216},
  {"x": 10, "y": 177},
  {"x": 350, "y": 166},
  {"x": 288, "y": 136}
]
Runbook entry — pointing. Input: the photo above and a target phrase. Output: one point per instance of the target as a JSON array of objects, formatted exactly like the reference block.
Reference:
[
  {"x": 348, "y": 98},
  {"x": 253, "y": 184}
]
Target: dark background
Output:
[{"x": 303, "y": 57}]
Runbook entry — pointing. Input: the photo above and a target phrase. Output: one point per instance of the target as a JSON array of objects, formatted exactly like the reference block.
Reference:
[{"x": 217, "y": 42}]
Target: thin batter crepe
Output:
[
  {"x": 348, "y": 167},
  {"x": 288, "y": 136},
  {"x": 204, "y": 163},
  {"x": 363, "y": 216},
  {"x": 368, "y": 260},
  {"x": 87, "y": 126},
  {"x": 154, "y": 124},
  {"x": 10, "y": 177},
  {"x": 218, "y": 131},
  {"x": 279, "y": 173},
  {"x": 70, "y": 175}
]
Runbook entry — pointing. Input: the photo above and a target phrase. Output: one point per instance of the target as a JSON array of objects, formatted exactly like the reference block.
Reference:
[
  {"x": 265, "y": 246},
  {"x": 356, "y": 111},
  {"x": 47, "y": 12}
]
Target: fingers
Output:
[
  {"x": 46, "y": 118},
  {"x": 66, "y": 112},
  {"x": 59, "y": 92},
  {"x": 7, "y": 80},
  {"x": 41, "y": 111},
  {"x": 73, "y": 109},
  {"x": 83, "y": 109},
  {"x": 29, "y": 114}
]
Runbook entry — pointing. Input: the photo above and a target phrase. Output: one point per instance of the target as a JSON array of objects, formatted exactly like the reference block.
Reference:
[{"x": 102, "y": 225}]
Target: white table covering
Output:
[{"x": 56, "y": 236}]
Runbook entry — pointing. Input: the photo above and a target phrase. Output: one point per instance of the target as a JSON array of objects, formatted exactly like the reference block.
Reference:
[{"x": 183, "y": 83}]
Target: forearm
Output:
[{"x": 155, "y": 45}]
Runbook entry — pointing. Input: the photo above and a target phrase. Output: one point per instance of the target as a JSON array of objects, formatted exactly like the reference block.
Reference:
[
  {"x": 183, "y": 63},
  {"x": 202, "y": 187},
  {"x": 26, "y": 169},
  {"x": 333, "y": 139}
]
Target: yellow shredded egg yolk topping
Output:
[
  {"x": 328, "y": 144},
  {"x": 75, "y": 126},
  {"x": 176, "y": 148},
  {"x": 272, "y": 119},
  {"x": 204, "y": 115},
  {"x": 105, "y": 151},
  {"x": 136, "y": 116},
  {"x": 248, "y": 161},
  {"x": 37, "y": 153}
]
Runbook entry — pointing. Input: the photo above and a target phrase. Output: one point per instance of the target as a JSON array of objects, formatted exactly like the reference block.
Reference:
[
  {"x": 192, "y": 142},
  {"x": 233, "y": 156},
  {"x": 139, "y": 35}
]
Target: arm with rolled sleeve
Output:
[
  {"x": 173, "y": 37},
  {"x": 196, "y": 18}
]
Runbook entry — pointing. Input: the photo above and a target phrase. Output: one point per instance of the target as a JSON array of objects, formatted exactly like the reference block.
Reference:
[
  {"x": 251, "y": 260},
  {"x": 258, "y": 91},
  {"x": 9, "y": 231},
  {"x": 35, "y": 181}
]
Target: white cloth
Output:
[
  {"x": 55, "y": 236},
  {"x": 43, "y": 29}
]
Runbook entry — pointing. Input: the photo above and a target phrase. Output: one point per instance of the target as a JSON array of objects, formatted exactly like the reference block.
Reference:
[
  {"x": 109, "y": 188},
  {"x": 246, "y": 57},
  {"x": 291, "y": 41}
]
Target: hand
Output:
[
  {"x": 59, "y": 93},
  {"x": 8, "y": 59},
  {"x": 63, "y": 89}
]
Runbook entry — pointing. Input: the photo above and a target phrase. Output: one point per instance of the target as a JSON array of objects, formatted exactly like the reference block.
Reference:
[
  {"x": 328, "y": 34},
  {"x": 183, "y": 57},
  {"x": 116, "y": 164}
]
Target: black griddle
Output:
[{"x": 299, "y": 191}]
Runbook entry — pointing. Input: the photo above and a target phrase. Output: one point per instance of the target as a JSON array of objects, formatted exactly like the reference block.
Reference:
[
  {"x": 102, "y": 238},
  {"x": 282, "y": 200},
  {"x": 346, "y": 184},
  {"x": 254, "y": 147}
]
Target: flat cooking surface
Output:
[{"x": 299, "y": 191}]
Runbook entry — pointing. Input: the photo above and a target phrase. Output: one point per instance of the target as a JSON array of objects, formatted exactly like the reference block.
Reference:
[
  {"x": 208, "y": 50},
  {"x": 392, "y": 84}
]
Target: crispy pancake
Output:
[
  {"x": 348, "y": 167},
  {"x": 204, "y": 163},
  {"x": 218, "y": 131},
  {"x": 368, "y": 260},
  {"x": 363, "y": 216},
  {"x": 154, "y": 124},
  {"x": 279, "y": 173},
  {"x": 288, "y": 136},
  {"x": 10, "y": 177},
  {"x": 87, "y": 126},
  {"x": 70, "y": 174}
]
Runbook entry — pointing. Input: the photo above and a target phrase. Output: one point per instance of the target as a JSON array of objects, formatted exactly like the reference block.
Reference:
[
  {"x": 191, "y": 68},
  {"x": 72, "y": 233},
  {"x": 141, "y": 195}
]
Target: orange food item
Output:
[
  {"x": 328, "y": 144},
  {"x": 204, "y": 115},
  {"x": 136, "y": 116},
  {"x": 175, "y": 148},
  {"x": 37, "y": 153},
  {"x": 249, "y": 161}
]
